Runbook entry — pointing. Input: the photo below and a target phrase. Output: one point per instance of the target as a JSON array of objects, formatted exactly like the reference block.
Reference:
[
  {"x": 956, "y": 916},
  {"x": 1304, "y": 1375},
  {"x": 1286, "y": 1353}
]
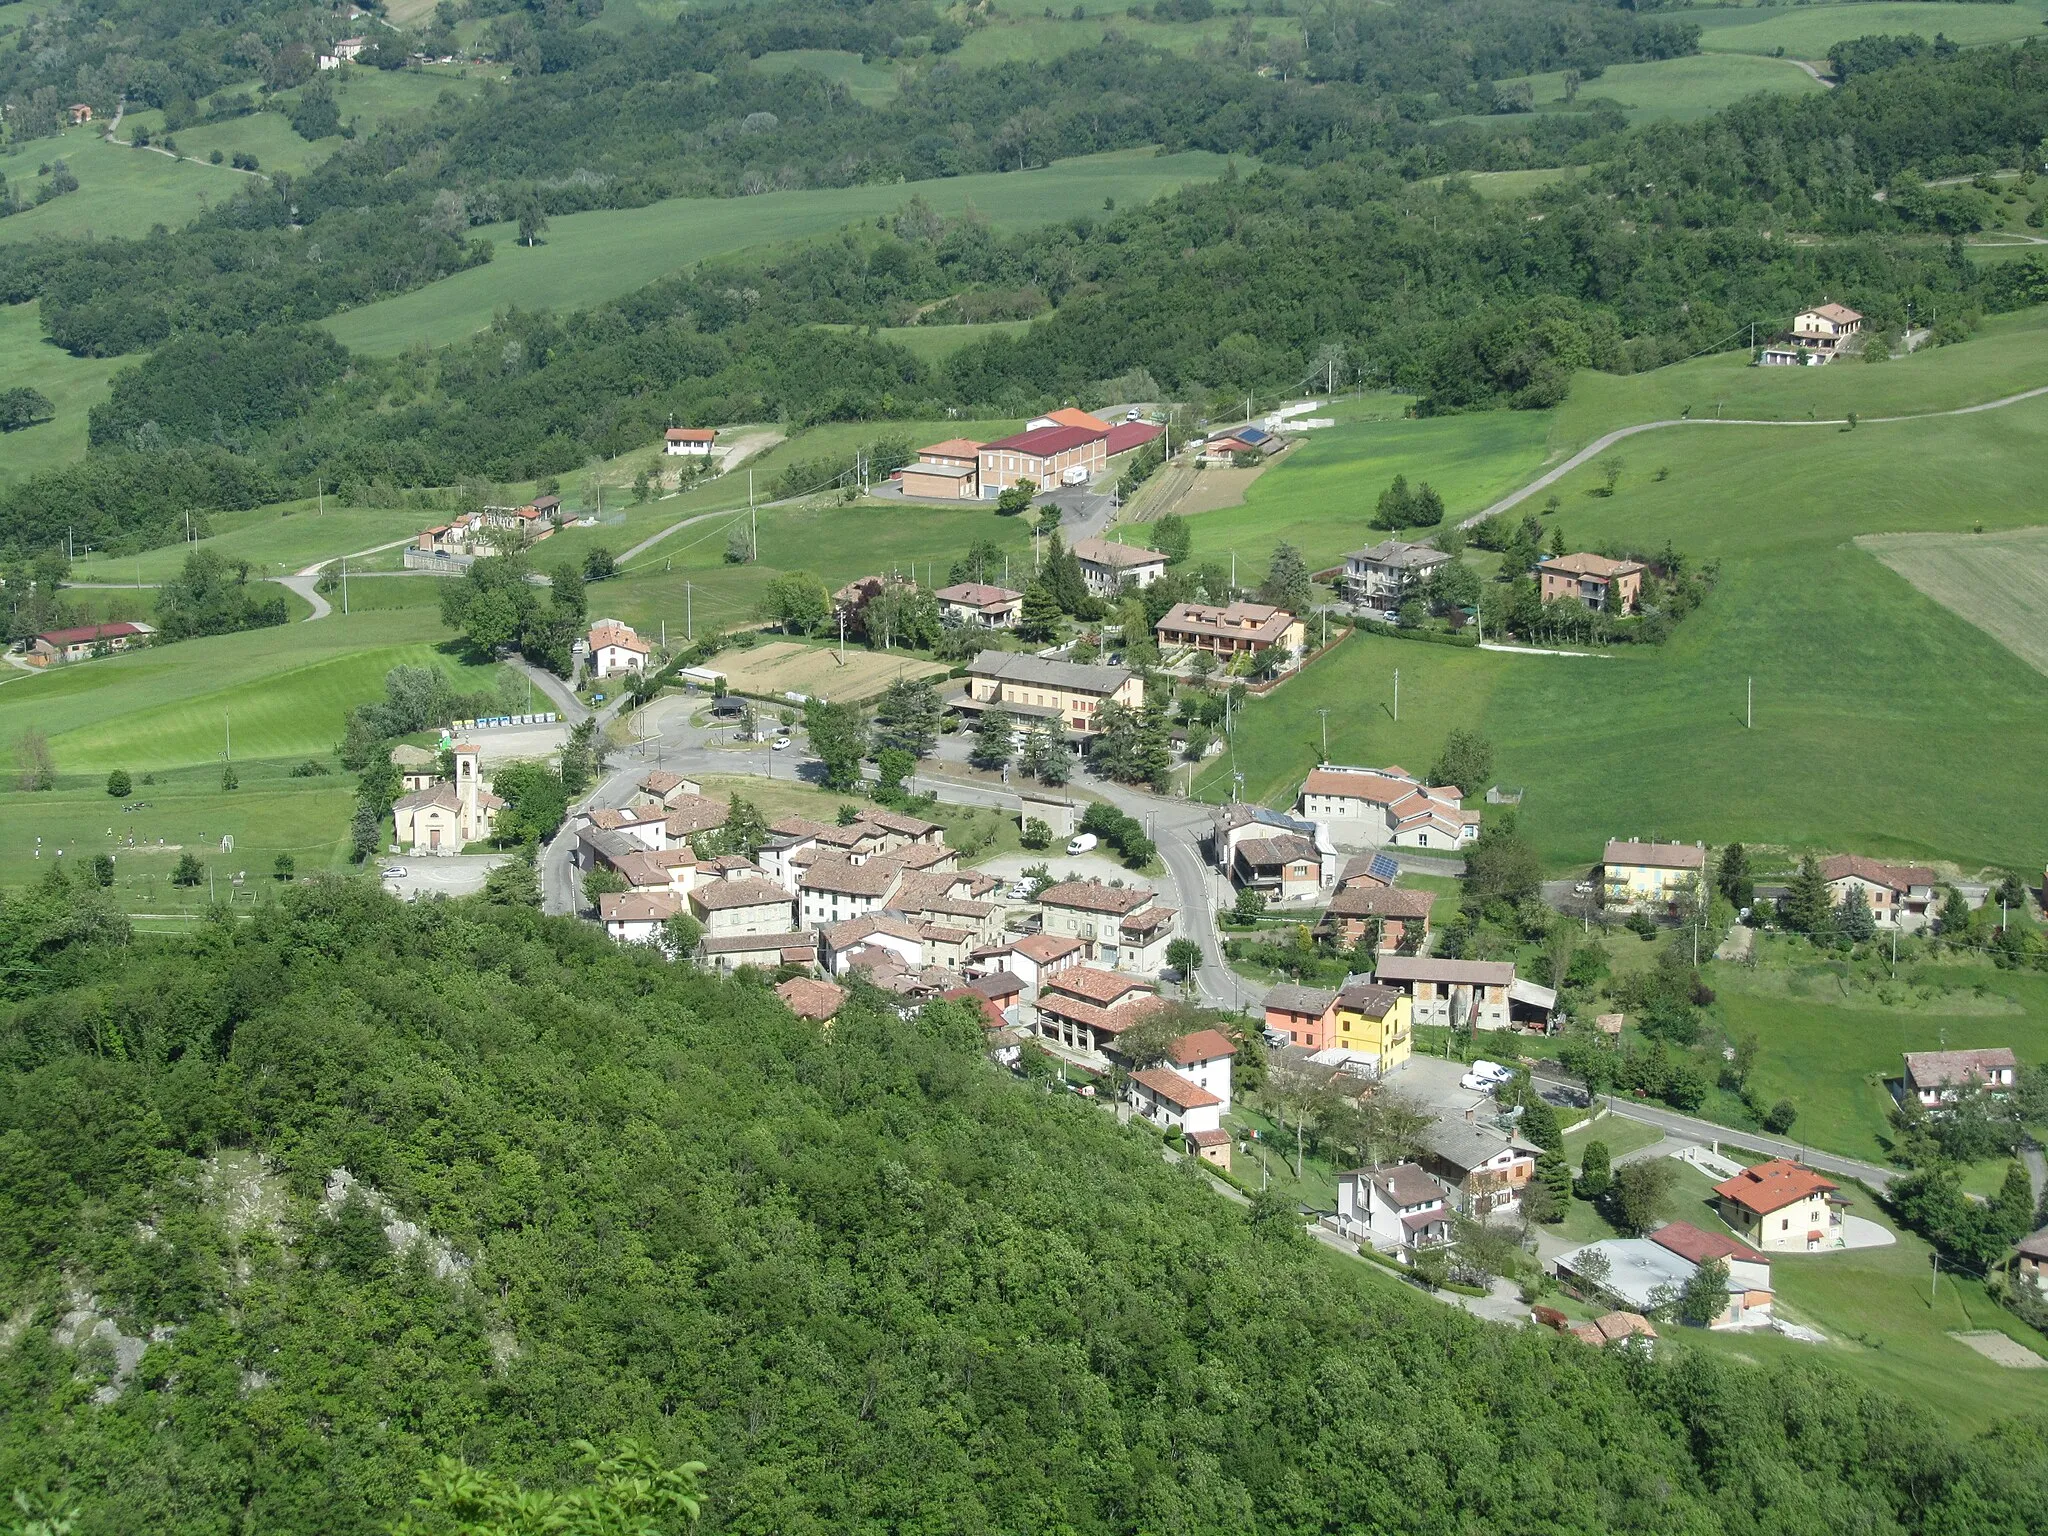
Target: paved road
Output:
[
  {"x": 571, "y": 708},
  {"x": 1707, "y": 1132},
  {"x": 1602, "y": 444},
  {"x": 303, "y": 585},
  {"x": 2037, "y": 1170}
]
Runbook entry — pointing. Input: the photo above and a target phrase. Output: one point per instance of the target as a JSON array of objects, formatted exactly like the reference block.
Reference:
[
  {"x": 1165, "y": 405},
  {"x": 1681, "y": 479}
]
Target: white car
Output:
[
  {"x": 781, "y": 744},
  {"x": 393, "y": 872},
  {"x": 1131, "y": 416},
  {"x": 1493, "y": 1071},
  {"x": 1085, "y": 843}
]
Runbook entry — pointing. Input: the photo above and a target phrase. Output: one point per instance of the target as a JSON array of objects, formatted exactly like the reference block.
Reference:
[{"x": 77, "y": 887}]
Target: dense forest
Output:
[{"x": 519, "y": 1187}]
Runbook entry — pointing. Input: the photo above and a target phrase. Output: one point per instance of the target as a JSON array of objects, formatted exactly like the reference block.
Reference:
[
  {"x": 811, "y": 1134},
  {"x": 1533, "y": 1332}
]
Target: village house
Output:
[
  {"x": 1065, "y": 693},
  {"x": 1306, "y": 1015},
  {"x": 444, "y": 816},
  {"x": 766, "y": 951},
  {"x": 417, "y": 767},
  {"x": 1240, "y": 822},
  {"x": 85, "y": 641},
  {"x": 660, "y": 788},
  {"x": 2030, "y": 1262},
  {"x": 1641, "y": 1272},
  {"x": 80, "y": 113},
  {"x": 1460, "y": 994},
  {"x": 742, "y": 904},
  {"x": 979, "y": 606},
  {"x": 1387, "y": 807},
  {"x": 880, "y": 930},
  {"x": 810, "y": 999},
  {"x": 1782, "y": 1207},
  {"x": 1937, "y": 1078},
  {"x": 835, "y": 889},
  {"x": 1287, "y": 867},
  {"x": 1901, "y": 896},
  {"x": 1373, "y": 870},
  {"x": 1658, "y": 878},
  {"x": 1379, "y": 577},
  {"x": 1211, "y": 1146},
  {"x": 1204, "y": 1058},
  {"x": 1042, "y": 455},
  {"x": 1033, "y": 958},
  {"x": 1375, "y": 1024},
  {"x": 1106, "y": 568},
  {"x": 1486, "y": 1169},
  {"x": 349, "y": 47},
  {"x": 1166, "y": 1098},
  {"x": 1085, "y": 1008},
  {"x": 1119, "y": 926},
  {"x": 614, "y": 648},
  {"x": 1402, "y": 917},
  {"x": 1823, "y": 332},
  {"x": 688, "y": 442},
  {"x": 1750, "y": 1295},
  {"x": 1596, "y": 582},
  {"x": 1396, "y": 1210},
  {"x": 638, "y": 917},
  {"x": 1230, "y": 630}
]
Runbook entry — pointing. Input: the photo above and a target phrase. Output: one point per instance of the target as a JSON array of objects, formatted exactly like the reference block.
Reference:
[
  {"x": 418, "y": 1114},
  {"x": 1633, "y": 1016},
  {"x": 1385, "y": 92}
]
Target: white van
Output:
[
  {"x": 1074, "y": 474},
  {"x": 1085, "y": 843}
]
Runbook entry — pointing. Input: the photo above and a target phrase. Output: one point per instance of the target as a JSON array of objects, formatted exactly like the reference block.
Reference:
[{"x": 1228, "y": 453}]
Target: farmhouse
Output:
[
  {"x": 2030, "y": 1262},
  {"x": 1899, "y": 896},
  {"x": 1782, "y": 1207},
  {"x": 1601, "y": 584},
  {"x": 1227, "y": 445},
  {"x": 688, "y": 442},
  {"x": 1105, "y": 567},
  {"x": 1936, "y": 1078},
  {"x": 1231, "y": 630},
  {"x": 1459, "y": 993},
  {"x": 85, "y": 641},
  {"x": 1822, "y": 333},
  {"x": 1042, "y": 456},
  {"x": 1380, "y": 576},
  {"x": 614, "y": 648},
  {"x": 980, "y": 606},
  {"x": 80, "y": 112},
  {"x": 1035, "y": 688},
  {"x": 1397, "y": 1209},
  {"x": 448, "y": 816},
  {"x": 1650, "y": 877}
]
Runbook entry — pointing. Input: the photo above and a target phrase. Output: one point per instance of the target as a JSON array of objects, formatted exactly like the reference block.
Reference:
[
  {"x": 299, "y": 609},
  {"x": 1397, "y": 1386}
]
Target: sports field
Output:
[
  {"x": 74, "y": 385},
  {"x": 1863, "y": 685},
  {"x": 786, "y": 666},
  {"x": 586, "y": 258},
  {"x": 1682, "y": 89},
  {"x": 281, "y": 692},
  {"x": 1808, "y": 31},
  {"x": 1996, "y": 581}
]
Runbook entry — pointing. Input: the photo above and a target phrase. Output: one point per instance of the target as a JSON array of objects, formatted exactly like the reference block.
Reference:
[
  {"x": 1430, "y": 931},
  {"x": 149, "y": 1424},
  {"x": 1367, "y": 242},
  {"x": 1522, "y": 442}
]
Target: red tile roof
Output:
[
  {"x": 1174, "y": 1089},
  {"x": 691, "y": 434},
  {"x": 1096, "y": 986},
  {"x": 1127, "y": 435},
  {"x": 121, "y": 629},
  {"x": 1202, "y": 1045},
  {"x": 1045, "y": 442},
  {"x": 1690, "y": 1242},
  {"x": 811, "y": 999},
  {"x": 1772, "y": 1186}
]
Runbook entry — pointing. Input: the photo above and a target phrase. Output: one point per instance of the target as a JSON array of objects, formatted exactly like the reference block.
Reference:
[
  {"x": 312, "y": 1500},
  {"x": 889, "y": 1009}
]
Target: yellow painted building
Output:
[{"x": 1375, "y": 1021}]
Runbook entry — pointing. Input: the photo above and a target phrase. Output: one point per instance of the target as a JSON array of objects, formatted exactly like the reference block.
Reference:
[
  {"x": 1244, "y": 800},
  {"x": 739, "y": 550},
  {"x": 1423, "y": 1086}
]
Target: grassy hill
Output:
[
  {"x": 1863, "y": 685},
  {"x": 586, "y": 258},
  {"x": 1808, "y": 31},
  {"x": 1682, "y": 88}
]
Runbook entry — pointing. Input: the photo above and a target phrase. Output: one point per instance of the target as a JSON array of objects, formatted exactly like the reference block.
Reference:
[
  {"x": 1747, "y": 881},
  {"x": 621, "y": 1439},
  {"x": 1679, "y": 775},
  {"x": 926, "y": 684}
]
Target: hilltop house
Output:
[
  {"x": 1823, "y": 332},
  {"x": 1601, "y": 584},
  {"x": 688, "y": 442},
  {"x": 1378, "y": 577},
  {"x": 1782, "y": 1207},
  {"x": 447, "y": 816},
  {"x": 1650, "y": 877}
]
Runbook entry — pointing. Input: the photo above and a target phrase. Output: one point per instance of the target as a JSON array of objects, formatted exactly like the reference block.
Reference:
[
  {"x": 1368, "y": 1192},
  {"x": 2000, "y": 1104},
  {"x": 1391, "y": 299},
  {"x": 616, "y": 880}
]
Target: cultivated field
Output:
[
  {"x": 784, "y": 666},
  {"x": 1808, "y": 31},
  {"x": 1682, "y": 89},
  {"x": 74, "y": 385},
  {"x": 1997, "y": 581},
  {"x": 586, "y": 258}
]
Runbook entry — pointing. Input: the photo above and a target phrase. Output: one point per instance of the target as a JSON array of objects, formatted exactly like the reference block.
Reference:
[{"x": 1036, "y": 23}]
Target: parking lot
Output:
[{"x": 460, "y": 874}]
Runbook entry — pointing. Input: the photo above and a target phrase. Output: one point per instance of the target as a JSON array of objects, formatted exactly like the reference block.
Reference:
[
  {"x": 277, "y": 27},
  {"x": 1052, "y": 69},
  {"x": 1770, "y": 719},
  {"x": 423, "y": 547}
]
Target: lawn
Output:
[
  {"x": 283, "y": 693},
  {"x": 1996, "y": 581},
  {"x": 275, "y": 540},
  {"x": 931, "y": 342},
  {"x": 1320, "y": 495},
  {"x": 586, "y": 258},
  {"x": 1853, "y": 668},
  {"x": 1808, "y": 31},
  {"x": 1617, "y": 1133},
  {"x": 74, "y": 385},
  {"x": 1682, "y": 89},
  {"x": 120, "y": 191}
]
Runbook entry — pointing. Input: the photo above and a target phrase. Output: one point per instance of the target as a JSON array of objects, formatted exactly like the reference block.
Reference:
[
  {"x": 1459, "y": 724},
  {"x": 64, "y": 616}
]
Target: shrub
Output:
[{"x": 119, "y": 785}]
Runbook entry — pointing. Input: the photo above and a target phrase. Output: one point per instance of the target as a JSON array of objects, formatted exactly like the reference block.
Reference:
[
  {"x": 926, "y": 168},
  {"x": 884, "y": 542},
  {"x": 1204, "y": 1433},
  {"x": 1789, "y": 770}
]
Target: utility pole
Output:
[
  {"x": 842, "y": 637},
  {"x": 1936, "y": 1279},
  {"x": 344, "y": 586},
  {"x": 1325, "y": 713},
  {"x": 1749, "y": 708},
  {"x": 689, "y": 616},
  {"x": 320, "y": 496},
  {"x": 228, "y": 726},
  {"x": 1397, "y": 695}
]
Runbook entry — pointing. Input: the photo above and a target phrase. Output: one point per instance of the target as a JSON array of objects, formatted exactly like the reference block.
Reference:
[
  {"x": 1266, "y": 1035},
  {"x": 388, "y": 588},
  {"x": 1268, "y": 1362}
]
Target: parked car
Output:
[
  {"x": 781, "y": 744},
  {"x": 393, "y": 872},
  {"x": 1085, "y": 843},
  {"x": 1131, "y": 415}
]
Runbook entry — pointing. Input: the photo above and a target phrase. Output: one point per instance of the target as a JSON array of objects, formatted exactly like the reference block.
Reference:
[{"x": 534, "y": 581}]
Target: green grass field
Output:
[
  {"x": 74, "y": 386},
  {"x": 1860, "y": 679},
  {"x": 1024, "y": 36},
  {"x": 283, "y": 693},
  {"x": 275, "y": 540},
  {"x": 1682, "y": 89},
  {"x": 1321, "y": 496},
  {"x": 1808, "y": 31},
  {"x": 932, "y": 342},
  {"x": 1997, "y": 581},
  {"x": 1499, "y": 185},
  {"x": 872, "y": 85},
  {"x": 586, "y": 258},
  {"x": 120, "y": 191}
]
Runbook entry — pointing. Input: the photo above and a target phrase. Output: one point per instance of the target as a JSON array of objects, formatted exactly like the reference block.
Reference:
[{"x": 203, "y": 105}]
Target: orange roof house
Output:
[{"x": 1782, "y": 1207}]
